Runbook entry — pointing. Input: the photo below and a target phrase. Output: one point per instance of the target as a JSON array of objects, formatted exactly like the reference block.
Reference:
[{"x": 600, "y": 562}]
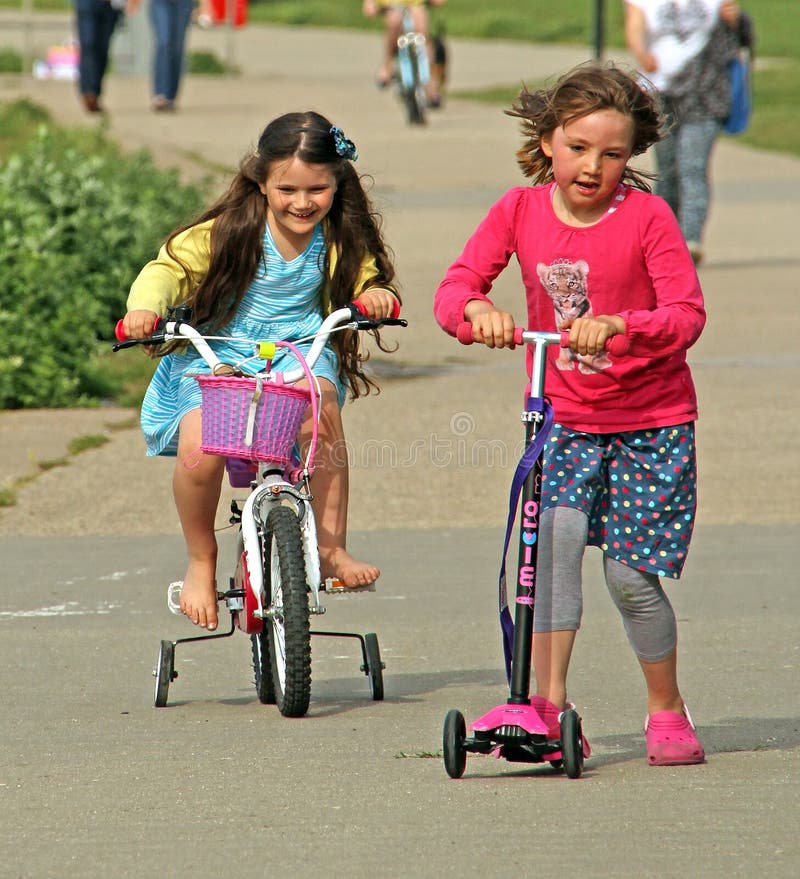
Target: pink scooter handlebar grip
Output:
[
  {"x": 464, "y": 333},
  {"x": 616, "y": 345}
]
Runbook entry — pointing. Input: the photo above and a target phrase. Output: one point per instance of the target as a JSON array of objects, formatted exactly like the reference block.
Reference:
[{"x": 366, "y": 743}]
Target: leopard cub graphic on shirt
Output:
[{"x": 565, "y": 283}]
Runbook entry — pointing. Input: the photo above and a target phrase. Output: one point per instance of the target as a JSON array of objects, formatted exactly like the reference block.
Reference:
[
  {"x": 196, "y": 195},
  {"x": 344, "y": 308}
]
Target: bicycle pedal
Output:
[{"x": 333, "y": 586}]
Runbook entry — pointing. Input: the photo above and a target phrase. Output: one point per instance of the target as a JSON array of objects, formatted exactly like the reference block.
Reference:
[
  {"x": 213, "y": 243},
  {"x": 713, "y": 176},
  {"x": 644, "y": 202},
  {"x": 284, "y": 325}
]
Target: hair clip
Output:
[{"x": 344, "y": 146}]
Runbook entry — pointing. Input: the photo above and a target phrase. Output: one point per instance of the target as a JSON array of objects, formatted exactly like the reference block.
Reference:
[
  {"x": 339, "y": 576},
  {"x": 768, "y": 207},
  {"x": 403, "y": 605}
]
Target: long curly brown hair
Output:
[
  {"x": 352, "y": 227},
  {"x": 583, "y": 90}
]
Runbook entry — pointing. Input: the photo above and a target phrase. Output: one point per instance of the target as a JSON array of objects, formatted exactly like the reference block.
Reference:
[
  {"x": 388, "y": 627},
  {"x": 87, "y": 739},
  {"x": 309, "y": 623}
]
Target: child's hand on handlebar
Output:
[
  {"x": 493, "y": 328},
  {"x": 139, "y": 324},
  {"x": 378, "y": 303},
  {"x": 588, "y": 335}
]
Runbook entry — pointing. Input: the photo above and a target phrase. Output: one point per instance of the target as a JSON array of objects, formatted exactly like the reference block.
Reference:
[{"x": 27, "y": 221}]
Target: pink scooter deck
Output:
[{"x": 524, "y": 716}]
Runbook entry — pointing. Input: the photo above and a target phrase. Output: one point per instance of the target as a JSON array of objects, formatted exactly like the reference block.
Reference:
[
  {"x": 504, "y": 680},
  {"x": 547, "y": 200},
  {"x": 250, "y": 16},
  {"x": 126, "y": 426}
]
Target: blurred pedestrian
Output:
[
  {"x": 683, "y": 48},
  {"x": 170, "y": 20},
  {"x": 96, "y": 21}
]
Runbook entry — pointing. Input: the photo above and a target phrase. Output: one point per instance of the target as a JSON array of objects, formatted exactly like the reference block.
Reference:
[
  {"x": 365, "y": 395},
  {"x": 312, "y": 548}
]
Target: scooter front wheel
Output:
[{"x": 453, "y": 738}]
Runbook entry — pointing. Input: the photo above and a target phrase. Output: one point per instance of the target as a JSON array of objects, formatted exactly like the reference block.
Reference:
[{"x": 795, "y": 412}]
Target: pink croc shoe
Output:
[
  {"x": 671, "y": 740},
  {"x": 551, "y": 715}
]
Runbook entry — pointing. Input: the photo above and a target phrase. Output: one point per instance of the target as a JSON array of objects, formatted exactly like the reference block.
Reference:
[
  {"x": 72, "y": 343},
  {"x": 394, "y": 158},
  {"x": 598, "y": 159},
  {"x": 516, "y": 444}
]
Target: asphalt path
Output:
[{"x": 96, "y": 782}]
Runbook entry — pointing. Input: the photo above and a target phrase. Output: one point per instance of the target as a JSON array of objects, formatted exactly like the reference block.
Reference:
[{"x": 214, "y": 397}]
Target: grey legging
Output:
[
  {"x": 683, "y": 158},
  {"x": 647, "y": 614}
]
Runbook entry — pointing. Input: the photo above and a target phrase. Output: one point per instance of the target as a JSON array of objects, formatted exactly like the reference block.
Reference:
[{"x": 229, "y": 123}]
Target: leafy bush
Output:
[{"x": 78, "y": 219}]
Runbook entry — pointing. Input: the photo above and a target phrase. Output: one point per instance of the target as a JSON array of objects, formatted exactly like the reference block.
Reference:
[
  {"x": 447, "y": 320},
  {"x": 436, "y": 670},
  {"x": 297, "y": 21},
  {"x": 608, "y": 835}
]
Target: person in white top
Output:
[{"x": 682, "y": 47}]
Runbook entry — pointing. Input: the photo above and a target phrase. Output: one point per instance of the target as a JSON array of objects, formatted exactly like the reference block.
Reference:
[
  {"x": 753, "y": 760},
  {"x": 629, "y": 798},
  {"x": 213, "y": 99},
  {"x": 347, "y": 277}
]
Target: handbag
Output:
[
  {"x": 739, "y": 77},
  {"x": 741, "y": 101}
]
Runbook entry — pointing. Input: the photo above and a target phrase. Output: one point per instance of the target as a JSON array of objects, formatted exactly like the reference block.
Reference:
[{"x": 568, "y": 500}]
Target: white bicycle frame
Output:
[{"x": 273, "y": 484}]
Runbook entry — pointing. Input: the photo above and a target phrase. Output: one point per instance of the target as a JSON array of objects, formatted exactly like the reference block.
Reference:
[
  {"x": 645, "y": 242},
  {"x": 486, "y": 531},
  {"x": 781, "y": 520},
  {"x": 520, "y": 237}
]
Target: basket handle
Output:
[{"x": 251, "y": 414}]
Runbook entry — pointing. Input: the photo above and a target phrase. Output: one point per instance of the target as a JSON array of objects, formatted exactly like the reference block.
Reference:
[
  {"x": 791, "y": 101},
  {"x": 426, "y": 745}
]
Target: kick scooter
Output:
[{"x": 516, "y": 730}]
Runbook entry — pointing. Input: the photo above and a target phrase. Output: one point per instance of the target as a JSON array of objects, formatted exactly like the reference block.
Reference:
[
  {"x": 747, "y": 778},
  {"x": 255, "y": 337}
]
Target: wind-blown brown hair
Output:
[
  {"x": 352, "y": 227},
  {"x": 583, "y": 90}
]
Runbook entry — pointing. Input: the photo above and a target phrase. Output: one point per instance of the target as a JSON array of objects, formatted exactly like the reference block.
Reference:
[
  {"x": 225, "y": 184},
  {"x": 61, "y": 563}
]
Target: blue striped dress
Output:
[{"x": 283, "y": 303}]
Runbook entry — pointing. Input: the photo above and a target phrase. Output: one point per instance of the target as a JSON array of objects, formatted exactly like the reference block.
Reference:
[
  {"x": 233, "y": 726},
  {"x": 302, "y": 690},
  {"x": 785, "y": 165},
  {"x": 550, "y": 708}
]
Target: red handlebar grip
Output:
[
  {"x": 359, "y": 306},
  {"x": 122, "y": 336}
]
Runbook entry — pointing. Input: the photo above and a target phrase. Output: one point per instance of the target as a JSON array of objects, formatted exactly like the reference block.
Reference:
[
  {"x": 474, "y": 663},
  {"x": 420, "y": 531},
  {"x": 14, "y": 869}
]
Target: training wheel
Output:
[
  {"x": 164, "y": 672},
  {"x": 453, "y": 737},
  {"x": 571, "y": 743},
  {"x": 374, "y": 667}
]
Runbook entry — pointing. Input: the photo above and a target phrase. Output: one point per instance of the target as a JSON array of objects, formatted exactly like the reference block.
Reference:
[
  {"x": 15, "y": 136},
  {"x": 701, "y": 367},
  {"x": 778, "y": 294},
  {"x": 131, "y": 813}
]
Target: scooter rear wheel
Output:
[
  {"x": 453, "y": 737},
  {"x": 571, "y": 743}
]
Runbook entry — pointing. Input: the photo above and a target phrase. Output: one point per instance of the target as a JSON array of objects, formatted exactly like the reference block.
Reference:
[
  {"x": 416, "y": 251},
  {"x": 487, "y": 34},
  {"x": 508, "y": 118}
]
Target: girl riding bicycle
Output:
[
  {"x": 393, "y": 17},
  {"x": 293, "y": 237},
  {"x": 600, "y": 256}
]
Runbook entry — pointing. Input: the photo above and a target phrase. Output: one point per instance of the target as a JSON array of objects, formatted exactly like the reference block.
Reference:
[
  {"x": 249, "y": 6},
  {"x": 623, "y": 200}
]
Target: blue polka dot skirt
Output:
[{"x": 638, "y": 488}]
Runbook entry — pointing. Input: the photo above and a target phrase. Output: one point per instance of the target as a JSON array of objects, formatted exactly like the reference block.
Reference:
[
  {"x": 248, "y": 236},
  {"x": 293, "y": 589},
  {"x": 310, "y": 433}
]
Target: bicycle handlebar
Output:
[
  {"x": 171, "y": 328},
  {"x": 617, "y": 345}
]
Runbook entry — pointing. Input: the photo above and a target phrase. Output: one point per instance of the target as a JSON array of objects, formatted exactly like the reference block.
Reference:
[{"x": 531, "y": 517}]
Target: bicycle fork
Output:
[{"x": 253, "y": 524}]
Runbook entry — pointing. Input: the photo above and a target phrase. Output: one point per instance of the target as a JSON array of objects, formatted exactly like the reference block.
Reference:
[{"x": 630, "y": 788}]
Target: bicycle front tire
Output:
[
  {"x": 288, "y": 614},
  {"x": 412, "y": 92}
]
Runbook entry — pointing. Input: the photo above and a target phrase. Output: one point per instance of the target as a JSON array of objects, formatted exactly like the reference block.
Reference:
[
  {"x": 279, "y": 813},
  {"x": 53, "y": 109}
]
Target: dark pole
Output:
[{"x": 599, "y": 28}]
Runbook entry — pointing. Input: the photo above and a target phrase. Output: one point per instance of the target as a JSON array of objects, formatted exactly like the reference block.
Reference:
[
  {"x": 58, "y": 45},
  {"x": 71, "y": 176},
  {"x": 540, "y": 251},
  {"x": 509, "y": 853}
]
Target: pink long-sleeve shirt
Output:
[{"x": 633, "y": 263}]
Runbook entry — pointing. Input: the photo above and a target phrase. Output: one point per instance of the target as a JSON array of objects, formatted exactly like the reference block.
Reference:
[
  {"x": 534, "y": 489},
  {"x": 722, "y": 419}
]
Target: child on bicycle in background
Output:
[
  {"x": 599, "y": 256},
  {"x": 293, "y": 237},
  {"x": 393, "y": 17}
]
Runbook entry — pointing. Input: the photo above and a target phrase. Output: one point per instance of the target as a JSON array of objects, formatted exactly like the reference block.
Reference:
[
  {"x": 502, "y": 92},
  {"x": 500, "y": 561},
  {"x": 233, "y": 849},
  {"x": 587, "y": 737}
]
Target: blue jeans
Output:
[
  {"x": 170, "y": 19},
  {"x": 683, "y": 159},
  {"x": 95, "y": 20}
]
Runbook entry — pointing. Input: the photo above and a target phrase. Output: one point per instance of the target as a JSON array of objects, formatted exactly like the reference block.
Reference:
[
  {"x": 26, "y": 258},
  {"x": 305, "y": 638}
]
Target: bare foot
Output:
[
  {"x": 199, "y": 595},
  {"x": 353, "y": 573}
]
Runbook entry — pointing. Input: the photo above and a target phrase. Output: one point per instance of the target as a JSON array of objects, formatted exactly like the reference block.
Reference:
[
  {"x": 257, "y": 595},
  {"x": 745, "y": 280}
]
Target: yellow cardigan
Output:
[{"x": 164, "y": 282}]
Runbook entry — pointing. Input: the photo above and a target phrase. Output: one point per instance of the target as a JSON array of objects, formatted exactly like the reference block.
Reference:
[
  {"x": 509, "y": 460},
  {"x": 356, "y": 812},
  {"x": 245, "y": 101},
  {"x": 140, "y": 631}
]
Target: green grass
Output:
[
  {"x": 10, "y": 61},
  {"x": 19, "y": 121},
  {"x": 88, "y": 441}
]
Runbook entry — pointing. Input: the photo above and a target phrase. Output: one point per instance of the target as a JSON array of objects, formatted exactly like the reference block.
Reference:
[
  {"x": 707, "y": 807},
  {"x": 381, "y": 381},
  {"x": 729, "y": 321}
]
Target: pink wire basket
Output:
[{"x": 250, "y": 418}]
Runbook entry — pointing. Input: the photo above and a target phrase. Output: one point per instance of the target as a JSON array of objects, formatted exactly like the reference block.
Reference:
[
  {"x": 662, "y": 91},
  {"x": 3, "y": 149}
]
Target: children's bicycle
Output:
[
  {"x": 276, "y": 586},
  {"x": 525, "y": 729},
  {"x": 413, "y": 70}
]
